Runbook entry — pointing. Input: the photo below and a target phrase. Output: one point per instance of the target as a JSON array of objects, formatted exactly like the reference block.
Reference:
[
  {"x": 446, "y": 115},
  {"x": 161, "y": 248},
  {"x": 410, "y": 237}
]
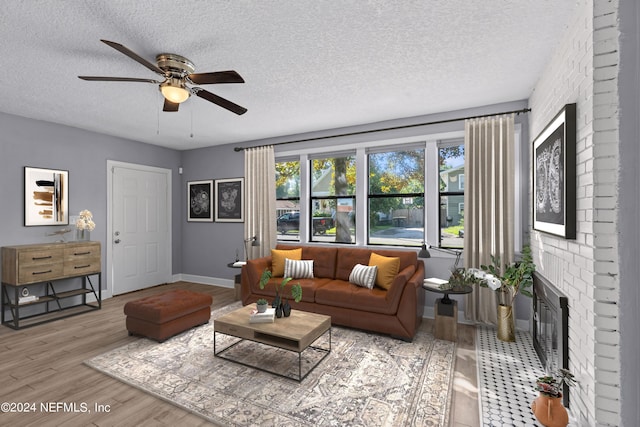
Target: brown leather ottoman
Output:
[{"x": 164, "y": 315}]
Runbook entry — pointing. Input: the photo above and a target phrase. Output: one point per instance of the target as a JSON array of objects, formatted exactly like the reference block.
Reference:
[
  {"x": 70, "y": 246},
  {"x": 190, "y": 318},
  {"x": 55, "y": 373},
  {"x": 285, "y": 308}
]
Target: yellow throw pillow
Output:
[
  {"x": 277, "y": 259},
  {"x": 388, "y": 268}
]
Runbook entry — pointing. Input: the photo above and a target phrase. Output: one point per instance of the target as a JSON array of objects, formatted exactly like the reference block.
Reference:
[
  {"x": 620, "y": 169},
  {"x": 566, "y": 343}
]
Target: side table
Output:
[
  {"x": 236, "y": 281},
  {"x": 446, "y": 311}
]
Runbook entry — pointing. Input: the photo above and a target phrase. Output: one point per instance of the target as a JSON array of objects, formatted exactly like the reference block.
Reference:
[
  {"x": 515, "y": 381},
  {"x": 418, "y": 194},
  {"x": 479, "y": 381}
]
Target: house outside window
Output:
[
  {"x": 396, "y": 197},
  {"x": 451, "y": 213},
  {"x": 288, "y": 199}
]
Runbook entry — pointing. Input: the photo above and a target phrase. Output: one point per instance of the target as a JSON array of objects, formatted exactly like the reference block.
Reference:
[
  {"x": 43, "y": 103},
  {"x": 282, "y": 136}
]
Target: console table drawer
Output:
[
  {"x": 81, "y": 266},
  {"x": 89, "y": 251},
  {"x": 39, "y": 273},
  {"x": 27, "y": 259}
]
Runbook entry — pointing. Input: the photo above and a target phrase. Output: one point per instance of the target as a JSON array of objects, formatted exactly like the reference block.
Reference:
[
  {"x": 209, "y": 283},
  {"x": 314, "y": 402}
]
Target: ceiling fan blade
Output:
[
  {"x": 224, "y": 103},
  {"x": 116, "y": 79},
  {"x": 170, "y": 106},
  {"x": 131, "y": 54},
  {"x": 216, "y": 77}
]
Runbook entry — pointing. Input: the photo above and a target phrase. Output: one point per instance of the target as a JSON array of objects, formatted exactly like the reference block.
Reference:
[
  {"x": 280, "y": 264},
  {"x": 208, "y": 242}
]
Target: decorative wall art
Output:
[
  {"x": 46, "y": 197},
  {"x": 230, "y": 200},
  {"x": 554, "y": 176},
  {"x": 199, "y": 199}
]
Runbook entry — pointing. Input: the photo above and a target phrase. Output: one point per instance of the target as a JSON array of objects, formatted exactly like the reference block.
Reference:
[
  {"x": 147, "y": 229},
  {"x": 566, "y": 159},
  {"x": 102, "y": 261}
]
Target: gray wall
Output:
[
  {"x": 26, "y": 142},
  {"x": 629, "y": 208}
]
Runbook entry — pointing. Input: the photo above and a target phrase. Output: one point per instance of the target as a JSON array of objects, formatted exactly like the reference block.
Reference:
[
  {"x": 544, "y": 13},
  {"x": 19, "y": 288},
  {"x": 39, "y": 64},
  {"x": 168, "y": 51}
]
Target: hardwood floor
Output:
[{"x": 43, "y": 365}]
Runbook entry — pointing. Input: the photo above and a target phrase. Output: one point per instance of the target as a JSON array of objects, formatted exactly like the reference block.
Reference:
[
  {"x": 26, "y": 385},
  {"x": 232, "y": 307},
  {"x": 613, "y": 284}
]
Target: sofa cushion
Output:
[
  {"x": 298, "y": 269},
  {"x": 340, "y": 293},
  {"x": 347, "y": 259},
  {"x": 388, "y": 268},
  {"x": 277, "y": 259},
  {"x": 363, "y": 275},
  {"x": 324, "y": 257},
  {"x": 309, "y": 287}
]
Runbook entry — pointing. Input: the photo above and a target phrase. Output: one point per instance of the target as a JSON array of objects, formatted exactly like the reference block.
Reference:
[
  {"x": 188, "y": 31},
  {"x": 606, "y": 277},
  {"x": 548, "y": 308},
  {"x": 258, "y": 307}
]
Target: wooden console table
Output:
[{"x": 25, "y": 266}]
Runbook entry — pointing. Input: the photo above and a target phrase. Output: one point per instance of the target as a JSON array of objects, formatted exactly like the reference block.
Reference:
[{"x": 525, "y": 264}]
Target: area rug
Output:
[{"x": 366, "y": 380}]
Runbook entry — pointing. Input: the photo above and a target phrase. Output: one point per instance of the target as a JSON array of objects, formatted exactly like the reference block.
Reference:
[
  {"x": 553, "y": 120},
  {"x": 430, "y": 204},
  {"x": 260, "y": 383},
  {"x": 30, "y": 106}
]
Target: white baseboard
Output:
[
  {"x": 428, "y": 313},
  {"x": 204, "y": 280}
]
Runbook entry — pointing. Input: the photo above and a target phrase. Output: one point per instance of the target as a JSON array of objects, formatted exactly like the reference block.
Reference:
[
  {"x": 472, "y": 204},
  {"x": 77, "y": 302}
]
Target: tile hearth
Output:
[{"x": 506, "y": 378}]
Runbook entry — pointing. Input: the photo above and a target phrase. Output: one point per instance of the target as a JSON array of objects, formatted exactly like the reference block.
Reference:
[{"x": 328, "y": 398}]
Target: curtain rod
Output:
[{"x": 363, "y": 132}]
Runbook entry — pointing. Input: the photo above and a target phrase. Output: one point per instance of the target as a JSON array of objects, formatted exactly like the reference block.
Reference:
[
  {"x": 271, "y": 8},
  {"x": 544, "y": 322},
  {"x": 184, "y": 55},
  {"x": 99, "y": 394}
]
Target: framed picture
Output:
[
  {"x": 199, "y": 199},
  {"x": 230, "y": 200},
  {"x": 46, "y": 197},
  {"x": 554, "y": 176}
]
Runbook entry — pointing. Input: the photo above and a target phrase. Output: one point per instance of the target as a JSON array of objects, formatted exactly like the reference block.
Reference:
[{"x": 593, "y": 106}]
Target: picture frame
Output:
[
  {"x": 554, "y": 176},
  {"x": 199, "y": 201},
  {"x": 46, "y": 196},
  {"x": 229, "y": 200}
]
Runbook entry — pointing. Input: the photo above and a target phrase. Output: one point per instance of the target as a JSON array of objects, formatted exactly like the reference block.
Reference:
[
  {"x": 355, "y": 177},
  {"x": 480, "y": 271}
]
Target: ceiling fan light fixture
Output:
[{"x": 174, "y": 91}]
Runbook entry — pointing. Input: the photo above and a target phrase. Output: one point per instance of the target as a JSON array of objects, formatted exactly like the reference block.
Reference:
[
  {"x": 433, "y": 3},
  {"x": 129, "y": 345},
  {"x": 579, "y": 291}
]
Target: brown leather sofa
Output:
[{"x": 396, "y": 311}]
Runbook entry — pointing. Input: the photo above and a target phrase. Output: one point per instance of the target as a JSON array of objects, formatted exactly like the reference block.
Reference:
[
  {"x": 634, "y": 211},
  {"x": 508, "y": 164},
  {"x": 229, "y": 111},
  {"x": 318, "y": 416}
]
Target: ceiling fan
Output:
[{"x": 177, "y": 72}]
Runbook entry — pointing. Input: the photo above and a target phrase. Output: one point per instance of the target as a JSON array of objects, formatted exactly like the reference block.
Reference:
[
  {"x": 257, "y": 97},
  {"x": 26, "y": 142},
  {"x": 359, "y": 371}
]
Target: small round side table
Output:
[{"x": 446, "y": 311}]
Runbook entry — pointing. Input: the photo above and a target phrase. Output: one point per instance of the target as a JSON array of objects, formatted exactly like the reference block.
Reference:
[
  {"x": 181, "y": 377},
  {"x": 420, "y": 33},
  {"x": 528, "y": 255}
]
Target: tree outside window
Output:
[{"x": 396, "y": 197}]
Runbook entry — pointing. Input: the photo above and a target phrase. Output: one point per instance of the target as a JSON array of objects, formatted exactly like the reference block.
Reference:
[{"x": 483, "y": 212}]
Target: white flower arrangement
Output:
[{"x": 85, "y": 221}]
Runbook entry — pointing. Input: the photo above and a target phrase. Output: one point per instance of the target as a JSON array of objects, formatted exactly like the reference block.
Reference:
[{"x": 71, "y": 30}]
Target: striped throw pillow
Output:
[
  {"x": 363, "y": 275},
  {"x": 295, "y": 269}
]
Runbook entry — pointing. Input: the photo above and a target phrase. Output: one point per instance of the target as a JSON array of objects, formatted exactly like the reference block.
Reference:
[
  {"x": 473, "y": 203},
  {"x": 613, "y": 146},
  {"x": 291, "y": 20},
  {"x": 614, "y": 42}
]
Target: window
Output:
[
  {"x": 288, "y": 199},
  {"x": 333, "y": 199},
  {"x": 451, "y": 165},
  {"x": 396, "y": 197}
]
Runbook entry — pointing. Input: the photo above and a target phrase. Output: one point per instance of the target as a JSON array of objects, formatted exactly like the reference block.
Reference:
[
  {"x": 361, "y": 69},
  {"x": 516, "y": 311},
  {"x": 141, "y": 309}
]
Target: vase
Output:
[
  {"x": 286, "y": 309},
  {"x": 82, "y": 234},
  {"x": 279, "y": 311},
  {"x": 549, "y": 411},
  {"x": 506, "y": 326}
]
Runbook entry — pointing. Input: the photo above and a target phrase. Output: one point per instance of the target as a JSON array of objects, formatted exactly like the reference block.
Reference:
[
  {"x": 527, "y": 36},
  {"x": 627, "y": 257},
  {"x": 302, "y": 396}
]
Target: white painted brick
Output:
[
  {"x": 607, "y": 323},
  {"x": 608, "y": 337},
  {"x": 604, "y": 21},
  {"x": 605, "y": 98},
  {"x": 606, "y": 309},
  {"x": 608, "y": 377},
  {"x": 607, "y": 403},
  {"x": 604, "y": 7},
  {"x": 605, "y": 267},
  {"x": 605, "y": 124},
  {"x": 605, "y": 281},
  {"x": 602, "y": 202},
  {"x": 605, "y": 73},
  {"x": 605, "y": 215}
]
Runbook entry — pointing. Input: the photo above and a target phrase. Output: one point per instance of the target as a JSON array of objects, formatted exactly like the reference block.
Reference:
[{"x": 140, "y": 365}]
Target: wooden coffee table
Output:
[{"x": 294, "y": 333}]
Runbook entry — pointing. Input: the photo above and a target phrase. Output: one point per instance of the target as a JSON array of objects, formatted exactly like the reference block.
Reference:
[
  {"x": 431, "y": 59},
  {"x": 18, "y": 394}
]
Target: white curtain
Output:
[
  {"x": 488, "y": 204},
  {"x": 260, "y": 201}
]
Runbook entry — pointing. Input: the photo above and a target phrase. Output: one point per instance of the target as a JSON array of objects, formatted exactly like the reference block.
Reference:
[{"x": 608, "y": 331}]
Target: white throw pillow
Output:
[
  {"x": 364, "y": 275},
  {"x": 295, "y": 269}
]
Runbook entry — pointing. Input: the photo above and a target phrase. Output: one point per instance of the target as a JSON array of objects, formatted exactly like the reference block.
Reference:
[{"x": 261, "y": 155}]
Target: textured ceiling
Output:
[{"x": 308, "y": 64}]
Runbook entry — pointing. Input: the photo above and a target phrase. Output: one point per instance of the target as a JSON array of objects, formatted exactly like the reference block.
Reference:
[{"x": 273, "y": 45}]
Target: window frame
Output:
[{"x": 430, "y": 142}]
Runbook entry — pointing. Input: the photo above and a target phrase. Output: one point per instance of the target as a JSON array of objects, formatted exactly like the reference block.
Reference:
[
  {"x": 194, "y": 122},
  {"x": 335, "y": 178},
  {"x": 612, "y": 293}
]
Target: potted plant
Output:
[
  {"x": 508, "y": 281},
  {"x": 261, "y": 305},
  {"x": 282, "y": 307},
  {"x": 547, "y": 407}
]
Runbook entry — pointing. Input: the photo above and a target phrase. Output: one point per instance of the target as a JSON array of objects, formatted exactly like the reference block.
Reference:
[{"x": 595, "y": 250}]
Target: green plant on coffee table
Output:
[
  {"x": 296, "y": 289},
  {"x": 551, "y": 385},
  {"x": 262, "y": 301}
]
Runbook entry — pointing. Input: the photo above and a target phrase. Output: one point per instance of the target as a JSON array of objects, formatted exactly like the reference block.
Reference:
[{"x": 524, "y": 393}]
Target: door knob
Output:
[{"x": 116, "y": 241}]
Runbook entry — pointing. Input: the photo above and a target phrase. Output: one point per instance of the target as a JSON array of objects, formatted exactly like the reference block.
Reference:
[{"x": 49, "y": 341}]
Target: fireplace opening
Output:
[{"x": 551, "y": 327}]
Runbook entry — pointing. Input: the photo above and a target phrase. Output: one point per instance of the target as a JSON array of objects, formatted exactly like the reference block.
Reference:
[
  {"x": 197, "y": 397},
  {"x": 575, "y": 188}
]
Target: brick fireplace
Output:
[{"x": 551, "y": 327}]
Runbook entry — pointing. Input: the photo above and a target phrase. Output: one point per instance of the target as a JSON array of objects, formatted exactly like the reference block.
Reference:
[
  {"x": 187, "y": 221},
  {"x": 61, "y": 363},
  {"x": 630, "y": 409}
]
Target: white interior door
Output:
[{"x": 140, "y": 227}]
